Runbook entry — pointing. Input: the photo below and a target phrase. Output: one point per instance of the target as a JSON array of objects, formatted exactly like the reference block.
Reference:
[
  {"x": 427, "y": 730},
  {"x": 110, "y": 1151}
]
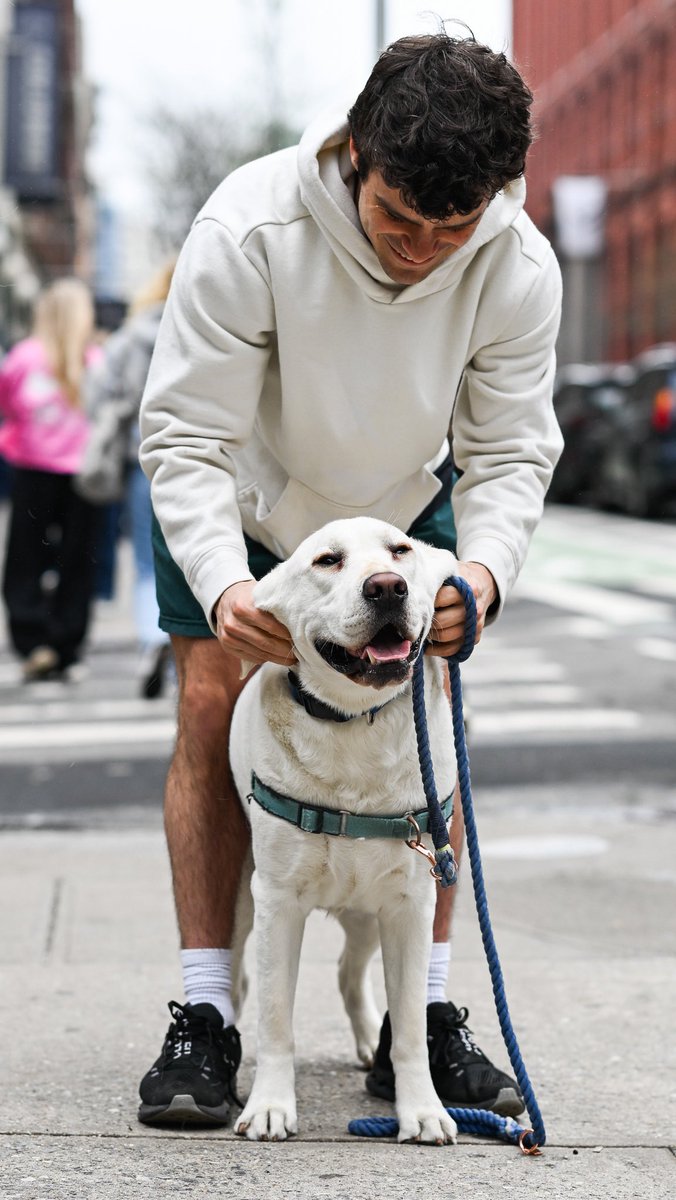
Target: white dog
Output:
[{"x": 358, "y": 600}]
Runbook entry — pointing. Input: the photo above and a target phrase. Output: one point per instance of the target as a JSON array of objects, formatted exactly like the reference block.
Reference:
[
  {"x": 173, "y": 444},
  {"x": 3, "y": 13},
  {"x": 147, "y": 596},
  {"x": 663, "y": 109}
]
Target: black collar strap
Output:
[
  {"x": 311, "y": 818},
  {"x": 323, "y": 712}
]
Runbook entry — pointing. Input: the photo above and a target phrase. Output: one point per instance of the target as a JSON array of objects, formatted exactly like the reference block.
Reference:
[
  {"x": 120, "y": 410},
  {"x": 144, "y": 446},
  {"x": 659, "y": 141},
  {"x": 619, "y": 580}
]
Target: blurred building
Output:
[
  {"x": 45, "y": 119},
  {"x": 602, "y": 174}
]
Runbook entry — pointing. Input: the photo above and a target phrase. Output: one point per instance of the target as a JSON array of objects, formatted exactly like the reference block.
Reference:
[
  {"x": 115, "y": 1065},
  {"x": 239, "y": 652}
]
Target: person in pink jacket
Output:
[{"x": 50, "y": 557}]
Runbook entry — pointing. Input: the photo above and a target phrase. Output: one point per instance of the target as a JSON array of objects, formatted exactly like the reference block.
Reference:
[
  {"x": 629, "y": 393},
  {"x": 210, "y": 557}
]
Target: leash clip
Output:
[
  {"x": 535, "y": 1150},
  {"x": 417, "y": 844}
]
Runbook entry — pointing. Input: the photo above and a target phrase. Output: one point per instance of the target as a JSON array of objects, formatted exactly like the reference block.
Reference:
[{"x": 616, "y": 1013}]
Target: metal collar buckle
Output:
[{"x": 417, "y": 844}]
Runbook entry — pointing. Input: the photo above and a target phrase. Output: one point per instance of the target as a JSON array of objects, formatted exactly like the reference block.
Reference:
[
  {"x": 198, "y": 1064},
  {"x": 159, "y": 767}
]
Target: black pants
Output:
[{"x": 50, "y": 564}]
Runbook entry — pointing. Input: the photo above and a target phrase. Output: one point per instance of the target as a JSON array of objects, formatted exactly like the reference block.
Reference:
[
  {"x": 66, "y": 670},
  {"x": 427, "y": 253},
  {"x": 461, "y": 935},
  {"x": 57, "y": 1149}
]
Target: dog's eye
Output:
[
  {"x": 398, "y": 551},
  {"x": 328, "y": 560}
]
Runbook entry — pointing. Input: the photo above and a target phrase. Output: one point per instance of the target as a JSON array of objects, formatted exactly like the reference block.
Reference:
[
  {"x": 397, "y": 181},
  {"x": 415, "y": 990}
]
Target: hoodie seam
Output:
[
  {"x": 514, "y": 315},
  {"x": 241, "y": 242},
  {"x": 538, "y": 260}
]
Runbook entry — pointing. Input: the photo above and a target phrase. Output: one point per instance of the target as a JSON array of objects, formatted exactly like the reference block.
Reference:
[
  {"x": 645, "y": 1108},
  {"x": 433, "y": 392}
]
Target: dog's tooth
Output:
[{"x": 371, "y": 656}]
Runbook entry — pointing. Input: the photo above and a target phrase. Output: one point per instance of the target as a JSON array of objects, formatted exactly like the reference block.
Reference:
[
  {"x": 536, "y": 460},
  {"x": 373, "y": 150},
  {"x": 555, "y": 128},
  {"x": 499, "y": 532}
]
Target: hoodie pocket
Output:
[{"x": 300, "y": 511}]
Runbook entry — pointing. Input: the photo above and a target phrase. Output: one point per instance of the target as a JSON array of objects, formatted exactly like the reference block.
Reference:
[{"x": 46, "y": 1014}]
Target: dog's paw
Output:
[
  {"x": 267, "y": 1121},
  {"x": 430, "y": 1124},
  {"x": 367, "y": 1036}
]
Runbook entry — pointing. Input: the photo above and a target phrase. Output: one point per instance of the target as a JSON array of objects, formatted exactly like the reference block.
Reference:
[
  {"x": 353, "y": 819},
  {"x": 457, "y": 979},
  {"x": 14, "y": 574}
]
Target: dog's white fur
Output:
[{"x": 378, "y": 889}]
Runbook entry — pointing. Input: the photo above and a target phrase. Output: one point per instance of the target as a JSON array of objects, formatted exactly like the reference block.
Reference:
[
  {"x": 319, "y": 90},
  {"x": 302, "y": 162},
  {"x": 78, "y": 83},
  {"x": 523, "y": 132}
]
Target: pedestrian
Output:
[
  {"x": 335, "y": 307},
  {"x": 49, "y": 568},
  {"x": 111, "y": 470}
]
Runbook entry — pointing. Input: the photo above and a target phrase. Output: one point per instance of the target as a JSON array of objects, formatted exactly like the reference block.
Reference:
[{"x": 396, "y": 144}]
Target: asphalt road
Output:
[{"x": 571, "y": 694}]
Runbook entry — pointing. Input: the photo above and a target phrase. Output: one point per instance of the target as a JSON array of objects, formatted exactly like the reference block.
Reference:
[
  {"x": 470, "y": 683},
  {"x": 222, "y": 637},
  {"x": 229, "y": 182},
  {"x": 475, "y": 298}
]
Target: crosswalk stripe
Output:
[
  {"x": 619, "y": 608},
  {"x": 567, "y": 726},
  {"x": 537, "y": 720},
  {"x": 659, "y": 648},
  {"x": 484, "y": 672},
  {"x": 116, "y": 733},
  {"x": 494, "y": 695},
  {"x": 79, "y": 710}
]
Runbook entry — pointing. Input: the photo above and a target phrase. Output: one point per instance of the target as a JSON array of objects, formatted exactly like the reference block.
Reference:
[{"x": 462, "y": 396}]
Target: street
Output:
[
  {"x": 573, "y": 757},
  {"x": 571, "y": 695}
]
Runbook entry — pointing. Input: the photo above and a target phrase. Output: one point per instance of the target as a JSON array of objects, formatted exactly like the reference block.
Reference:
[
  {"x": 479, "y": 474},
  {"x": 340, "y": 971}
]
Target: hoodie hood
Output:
[{"x": 327, "y": 180}]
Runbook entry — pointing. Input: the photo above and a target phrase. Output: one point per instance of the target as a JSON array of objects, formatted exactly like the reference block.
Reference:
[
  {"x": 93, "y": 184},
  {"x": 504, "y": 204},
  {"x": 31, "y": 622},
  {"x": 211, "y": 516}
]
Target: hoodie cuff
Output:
[
  {"x": 211, "y": 579},
  {"x": 493, "y": 554}
]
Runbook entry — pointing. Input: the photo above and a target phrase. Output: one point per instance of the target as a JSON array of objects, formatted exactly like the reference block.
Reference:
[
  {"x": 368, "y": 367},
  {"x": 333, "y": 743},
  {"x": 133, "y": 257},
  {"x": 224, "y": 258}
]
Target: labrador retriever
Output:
[{"x": 358, "y": 598}]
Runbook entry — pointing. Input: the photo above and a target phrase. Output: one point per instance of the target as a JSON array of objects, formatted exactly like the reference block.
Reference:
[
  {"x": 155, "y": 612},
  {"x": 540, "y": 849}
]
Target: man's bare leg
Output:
[
  {"x": 208, "y": 837},
  {"x": 206, "y": 828},
  {"x": 443, "y": 913}
]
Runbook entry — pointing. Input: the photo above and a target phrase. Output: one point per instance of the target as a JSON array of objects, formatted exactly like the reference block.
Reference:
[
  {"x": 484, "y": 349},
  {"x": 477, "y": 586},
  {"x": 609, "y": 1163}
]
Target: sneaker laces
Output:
[
  {"x": 186, "y": 1039},
  {"x": 450, "y": 1040}
]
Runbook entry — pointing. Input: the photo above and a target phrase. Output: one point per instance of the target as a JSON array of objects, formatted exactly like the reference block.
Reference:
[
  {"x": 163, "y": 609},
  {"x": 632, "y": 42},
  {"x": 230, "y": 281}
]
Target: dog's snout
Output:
[{"x": 385, "y": 588}]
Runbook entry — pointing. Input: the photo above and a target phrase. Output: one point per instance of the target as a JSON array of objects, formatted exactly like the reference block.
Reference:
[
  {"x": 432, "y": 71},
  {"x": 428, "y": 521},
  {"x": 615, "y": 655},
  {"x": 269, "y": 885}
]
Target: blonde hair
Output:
[
  {"x": 64, "y": 323},
  {"x": 156, "y": 291}
]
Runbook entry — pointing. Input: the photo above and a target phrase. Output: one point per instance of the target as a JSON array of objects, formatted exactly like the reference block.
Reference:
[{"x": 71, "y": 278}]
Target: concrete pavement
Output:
[{"x": 582, "y": 900}]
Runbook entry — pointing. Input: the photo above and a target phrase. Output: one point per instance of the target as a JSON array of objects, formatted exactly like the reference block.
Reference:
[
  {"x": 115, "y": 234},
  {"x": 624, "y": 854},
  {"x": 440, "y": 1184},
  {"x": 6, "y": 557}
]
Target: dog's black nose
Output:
[{"x": 385, "y": 588}]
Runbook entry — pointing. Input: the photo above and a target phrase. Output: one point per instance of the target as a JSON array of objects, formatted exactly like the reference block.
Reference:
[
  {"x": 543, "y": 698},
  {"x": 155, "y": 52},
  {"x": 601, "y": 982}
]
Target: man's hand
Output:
[
  {"x": 248, "y": 632},
  {"x": 448, "y": 627}
]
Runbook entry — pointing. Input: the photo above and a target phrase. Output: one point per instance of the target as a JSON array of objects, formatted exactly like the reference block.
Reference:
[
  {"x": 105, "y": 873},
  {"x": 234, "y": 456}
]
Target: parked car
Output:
[
  {"x": 637, "y": 469},
  {"x": 588, "y": 400}
]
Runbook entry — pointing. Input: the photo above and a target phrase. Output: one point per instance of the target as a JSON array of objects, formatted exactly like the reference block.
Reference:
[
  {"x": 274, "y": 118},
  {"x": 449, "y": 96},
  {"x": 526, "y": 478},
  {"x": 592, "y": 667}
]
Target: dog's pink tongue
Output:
[{"x": 387, "y": 651}]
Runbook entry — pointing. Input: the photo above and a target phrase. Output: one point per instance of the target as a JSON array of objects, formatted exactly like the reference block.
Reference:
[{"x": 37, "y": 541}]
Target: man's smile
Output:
[{"x": 414, "y": 262}]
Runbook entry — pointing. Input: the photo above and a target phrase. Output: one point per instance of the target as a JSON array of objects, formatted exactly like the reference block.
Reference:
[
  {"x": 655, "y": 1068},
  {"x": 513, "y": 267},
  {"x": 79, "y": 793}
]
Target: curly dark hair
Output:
[{"x": 445, "y": 120}]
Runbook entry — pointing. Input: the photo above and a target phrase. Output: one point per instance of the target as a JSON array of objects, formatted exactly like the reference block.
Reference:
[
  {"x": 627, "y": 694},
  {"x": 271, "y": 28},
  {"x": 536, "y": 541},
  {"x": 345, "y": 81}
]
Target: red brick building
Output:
[
  {"x": 48, "y": 118},
  {"x": 604, "y": 77}
]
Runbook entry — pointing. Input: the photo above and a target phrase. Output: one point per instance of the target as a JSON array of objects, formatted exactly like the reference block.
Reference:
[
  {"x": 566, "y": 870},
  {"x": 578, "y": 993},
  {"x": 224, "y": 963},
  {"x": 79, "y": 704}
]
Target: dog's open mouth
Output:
[{"x": 386, "y": 658}]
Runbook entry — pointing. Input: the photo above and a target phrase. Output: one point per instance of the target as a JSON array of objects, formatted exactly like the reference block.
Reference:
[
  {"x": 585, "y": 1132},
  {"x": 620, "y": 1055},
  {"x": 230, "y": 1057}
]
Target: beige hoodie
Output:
[{"x": 294, "y": 383}]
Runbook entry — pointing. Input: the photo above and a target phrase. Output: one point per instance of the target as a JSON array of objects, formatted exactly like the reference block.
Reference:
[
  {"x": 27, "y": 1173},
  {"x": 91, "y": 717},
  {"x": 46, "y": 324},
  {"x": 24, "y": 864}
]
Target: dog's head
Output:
[{"x": 358, "y": 600}]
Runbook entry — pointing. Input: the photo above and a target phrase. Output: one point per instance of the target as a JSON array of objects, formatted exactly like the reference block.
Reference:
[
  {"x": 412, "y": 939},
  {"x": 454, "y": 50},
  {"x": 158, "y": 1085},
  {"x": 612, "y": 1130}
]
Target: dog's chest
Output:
[
  {"x": 334, "y": 874},
  {"x": 359, "y": 765}
]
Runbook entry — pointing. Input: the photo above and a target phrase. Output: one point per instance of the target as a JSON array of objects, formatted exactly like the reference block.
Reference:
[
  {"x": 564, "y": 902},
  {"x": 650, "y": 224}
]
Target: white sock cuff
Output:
[
  {"x": 440, "y": 953},
  {"x": 207, "y": 979},
  {"x": 206, "y": 957},
  {"x": 437, "y": 972}
]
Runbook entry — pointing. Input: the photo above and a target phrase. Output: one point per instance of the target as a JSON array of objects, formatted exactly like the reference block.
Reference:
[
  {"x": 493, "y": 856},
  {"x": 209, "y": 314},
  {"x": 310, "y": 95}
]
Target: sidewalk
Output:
[{"x": 582, "y": 901}]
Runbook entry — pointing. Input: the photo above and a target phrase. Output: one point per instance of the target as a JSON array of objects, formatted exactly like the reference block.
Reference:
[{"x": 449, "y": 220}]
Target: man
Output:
[{"x": 334, "y": 308}]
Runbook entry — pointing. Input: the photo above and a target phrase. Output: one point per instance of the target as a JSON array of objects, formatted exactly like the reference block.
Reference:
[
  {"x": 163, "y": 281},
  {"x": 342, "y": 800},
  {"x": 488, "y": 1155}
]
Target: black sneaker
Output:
[
  {"x": 193, "y": 1080},
  {"x": 462, "y": 1075}
]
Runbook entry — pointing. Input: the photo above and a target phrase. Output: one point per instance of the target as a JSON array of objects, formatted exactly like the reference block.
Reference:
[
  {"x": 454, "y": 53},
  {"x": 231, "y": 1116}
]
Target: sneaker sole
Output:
[
  {"x": 507, "y": 1103},
  {"x": 183, "y": 1110}
]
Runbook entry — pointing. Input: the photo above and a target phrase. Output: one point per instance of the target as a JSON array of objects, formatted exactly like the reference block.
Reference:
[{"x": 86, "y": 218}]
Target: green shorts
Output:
[{"x": 180, "y": 612}]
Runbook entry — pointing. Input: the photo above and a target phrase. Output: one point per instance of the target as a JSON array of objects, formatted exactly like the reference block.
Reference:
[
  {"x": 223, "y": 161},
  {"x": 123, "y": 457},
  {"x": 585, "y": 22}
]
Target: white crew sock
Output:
[
  {"x": 437, "y": 972},
  {"x": 207, "y": 979}
]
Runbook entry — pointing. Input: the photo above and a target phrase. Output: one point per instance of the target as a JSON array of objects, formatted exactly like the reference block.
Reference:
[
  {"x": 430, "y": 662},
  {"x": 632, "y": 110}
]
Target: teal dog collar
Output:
[{"x": 311, "y": 818}]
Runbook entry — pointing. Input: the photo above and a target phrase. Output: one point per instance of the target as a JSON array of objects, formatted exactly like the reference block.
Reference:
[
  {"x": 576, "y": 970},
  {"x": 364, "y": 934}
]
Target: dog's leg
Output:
[
  {"x": 406, "y": 945},
  {"x": 361, "y": 942},
  {"x": 270, "y": 1112},
  {"x": 244, "y": 917}
]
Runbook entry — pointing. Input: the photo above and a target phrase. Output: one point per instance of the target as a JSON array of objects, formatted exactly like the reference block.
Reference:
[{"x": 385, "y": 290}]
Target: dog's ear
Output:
[
  {"x": 439, "y": 564},
  {"x": 269, "y": 592},
  {"x": 267, "y": 595}
]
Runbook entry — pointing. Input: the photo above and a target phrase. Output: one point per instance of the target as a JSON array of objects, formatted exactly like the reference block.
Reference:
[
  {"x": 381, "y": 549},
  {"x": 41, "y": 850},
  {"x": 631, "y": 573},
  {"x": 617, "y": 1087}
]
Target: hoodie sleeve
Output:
[
  {"x": 200, "y": 404},
  {"x": 506, "y": 439}
]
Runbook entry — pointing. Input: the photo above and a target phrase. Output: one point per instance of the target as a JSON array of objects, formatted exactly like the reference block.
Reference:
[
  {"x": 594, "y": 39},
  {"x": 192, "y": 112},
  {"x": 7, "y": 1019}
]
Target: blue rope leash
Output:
[{"x": 468, "y": 1120}]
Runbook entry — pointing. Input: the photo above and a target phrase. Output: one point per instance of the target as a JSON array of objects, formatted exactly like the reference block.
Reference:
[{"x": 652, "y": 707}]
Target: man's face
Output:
[{"x": 408, "y": 246}]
